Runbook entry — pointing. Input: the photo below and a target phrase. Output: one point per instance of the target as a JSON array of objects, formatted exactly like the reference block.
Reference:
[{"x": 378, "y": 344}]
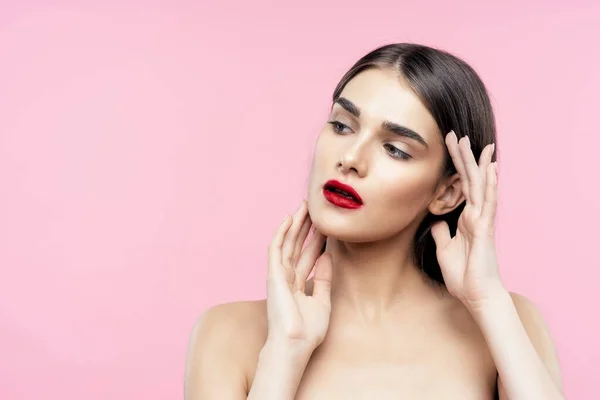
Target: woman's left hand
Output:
[{"x": 468, "y": 260}]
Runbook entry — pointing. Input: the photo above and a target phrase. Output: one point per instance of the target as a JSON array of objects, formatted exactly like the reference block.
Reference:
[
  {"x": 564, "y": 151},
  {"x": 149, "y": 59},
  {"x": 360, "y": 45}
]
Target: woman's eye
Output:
[
  {"x": 338, "y": 127},
  {"x": 396, "y": 152}
]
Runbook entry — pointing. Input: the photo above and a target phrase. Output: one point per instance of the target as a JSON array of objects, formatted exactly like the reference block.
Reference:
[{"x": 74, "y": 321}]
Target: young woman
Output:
[{"x": 406, "y": 301}]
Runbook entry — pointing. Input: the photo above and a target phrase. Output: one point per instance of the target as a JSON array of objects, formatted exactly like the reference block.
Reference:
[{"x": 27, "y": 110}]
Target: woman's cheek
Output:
[{"x": 405, "y": 188}]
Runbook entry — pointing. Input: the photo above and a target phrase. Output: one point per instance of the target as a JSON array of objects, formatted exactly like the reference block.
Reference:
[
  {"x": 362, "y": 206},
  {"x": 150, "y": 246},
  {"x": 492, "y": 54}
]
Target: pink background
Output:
[{"x": 148, "y": 151}]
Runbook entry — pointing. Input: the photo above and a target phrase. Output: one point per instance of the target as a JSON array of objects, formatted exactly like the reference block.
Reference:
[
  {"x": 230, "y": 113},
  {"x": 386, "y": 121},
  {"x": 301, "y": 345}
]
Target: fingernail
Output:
[
  {"x": 493, "y": 147},
  {"x": 468, "y": 141}
]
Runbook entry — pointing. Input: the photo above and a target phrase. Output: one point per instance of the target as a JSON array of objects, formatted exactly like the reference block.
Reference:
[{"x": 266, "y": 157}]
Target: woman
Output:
[{"x": 406, "y": 300}]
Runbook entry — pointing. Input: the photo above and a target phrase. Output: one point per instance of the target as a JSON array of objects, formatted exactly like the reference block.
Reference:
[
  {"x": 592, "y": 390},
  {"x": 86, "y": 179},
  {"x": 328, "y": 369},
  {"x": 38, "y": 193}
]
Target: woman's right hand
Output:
[{"x": 295, "y": 319}]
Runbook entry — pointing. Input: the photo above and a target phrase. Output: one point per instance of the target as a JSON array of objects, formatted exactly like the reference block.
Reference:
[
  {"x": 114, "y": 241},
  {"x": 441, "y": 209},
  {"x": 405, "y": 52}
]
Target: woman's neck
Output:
[{"x": 372, "y": 279}]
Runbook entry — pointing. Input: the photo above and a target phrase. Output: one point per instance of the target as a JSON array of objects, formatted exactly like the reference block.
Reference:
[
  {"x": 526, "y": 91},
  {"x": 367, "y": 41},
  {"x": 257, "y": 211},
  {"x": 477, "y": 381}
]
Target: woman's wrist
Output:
[
  {"x": 495, "y": 303},
  {"x": 494, "y": 298},
  {"x": 280, "y": 368},
  {"x": 287, "y": 352}
]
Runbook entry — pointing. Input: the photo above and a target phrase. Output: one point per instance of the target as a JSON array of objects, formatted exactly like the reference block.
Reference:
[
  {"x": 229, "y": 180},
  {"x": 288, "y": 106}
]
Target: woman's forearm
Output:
[
  {"x": 521, "y": 369},
  {"x": 278, "y": 373}
]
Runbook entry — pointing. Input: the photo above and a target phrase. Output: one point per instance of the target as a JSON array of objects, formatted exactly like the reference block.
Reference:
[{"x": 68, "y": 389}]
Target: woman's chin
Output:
[
  {"x": 343, "y": 232},
  {"x": 340, "y": 224}
]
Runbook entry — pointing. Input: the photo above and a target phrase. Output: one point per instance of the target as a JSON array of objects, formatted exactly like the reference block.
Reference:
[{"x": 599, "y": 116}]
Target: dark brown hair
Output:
[{"x": 456, "y": 98}]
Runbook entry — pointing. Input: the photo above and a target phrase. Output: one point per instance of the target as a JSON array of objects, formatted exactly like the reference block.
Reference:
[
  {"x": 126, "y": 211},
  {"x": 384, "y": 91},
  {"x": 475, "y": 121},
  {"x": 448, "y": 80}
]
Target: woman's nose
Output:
[{"x": 354, "y": 160}]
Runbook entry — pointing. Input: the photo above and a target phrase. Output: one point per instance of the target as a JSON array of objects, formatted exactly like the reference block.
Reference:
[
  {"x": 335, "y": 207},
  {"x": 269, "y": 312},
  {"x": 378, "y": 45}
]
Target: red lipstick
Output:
[{"x": 341, "y": 195}]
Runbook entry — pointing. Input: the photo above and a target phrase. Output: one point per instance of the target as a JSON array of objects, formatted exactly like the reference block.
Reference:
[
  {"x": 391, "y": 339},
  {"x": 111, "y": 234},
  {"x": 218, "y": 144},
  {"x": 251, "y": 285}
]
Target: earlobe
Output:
[{"x": 448, "y": 197}]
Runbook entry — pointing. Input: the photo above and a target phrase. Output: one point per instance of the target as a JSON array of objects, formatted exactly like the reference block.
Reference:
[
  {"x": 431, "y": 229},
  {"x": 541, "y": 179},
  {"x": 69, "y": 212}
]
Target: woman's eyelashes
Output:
[
  {"x": 338, "y": 127},
  {"x": 396, "y": 152},
  {"x": 393, "y": 151}
]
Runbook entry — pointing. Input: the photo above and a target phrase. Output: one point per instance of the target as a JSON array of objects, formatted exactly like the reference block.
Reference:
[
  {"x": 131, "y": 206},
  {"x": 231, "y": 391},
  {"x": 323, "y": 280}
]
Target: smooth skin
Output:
[{"x": 368, "y": 325}]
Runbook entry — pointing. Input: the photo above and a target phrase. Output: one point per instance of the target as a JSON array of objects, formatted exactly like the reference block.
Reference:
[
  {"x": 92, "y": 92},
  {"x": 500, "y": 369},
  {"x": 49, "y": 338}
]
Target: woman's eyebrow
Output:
[
  {"x": 386, "y": 125},
  {"x": 404, "y": 132},
  {"x": 348, "y": 106}
]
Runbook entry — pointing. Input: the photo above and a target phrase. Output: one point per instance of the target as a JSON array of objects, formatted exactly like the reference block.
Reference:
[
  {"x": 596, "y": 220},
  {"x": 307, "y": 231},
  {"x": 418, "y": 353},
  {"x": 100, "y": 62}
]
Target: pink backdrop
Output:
[{"x": 147, "y": 152}]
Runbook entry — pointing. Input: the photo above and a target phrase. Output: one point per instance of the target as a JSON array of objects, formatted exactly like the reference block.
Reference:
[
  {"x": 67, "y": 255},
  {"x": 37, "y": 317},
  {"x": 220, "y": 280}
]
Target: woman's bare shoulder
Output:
[
  {"x": 224, "y": 345},
  {"x": 237, "y": 313},
  {"x": 237, "y": 323}
]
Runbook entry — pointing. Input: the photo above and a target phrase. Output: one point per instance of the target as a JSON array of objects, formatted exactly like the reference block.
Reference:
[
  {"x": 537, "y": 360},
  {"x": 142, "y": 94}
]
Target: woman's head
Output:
[{"x": 385, "y": 137}]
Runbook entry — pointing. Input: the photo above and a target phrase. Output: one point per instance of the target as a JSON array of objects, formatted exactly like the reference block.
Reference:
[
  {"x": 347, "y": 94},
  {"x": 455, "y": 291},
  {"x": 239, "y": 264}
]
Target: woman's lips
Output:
[{"x": 342, "y": 195}]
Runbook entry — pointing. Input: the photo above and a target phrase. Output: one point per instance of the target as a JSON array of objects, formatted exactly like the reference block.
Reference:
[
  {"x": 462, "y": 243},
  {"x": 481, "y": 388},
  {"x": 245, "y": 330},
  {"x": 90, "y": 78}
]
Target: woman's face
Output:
[{"x": 382, "y": 141}]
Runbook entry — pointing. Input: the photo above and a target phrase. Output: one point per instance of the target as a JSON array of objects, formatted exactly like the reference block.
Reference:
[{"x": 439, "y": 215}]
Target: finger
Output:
[
  {"x": 301, "y": 239},
  {"x": 452, "y": 144},
  {"x": 441, "y": 234},
  {"x": 322, "y": 279},
  {"x": 484, "y": 161},
  {"x": 486, "y": 158},
  {"x": 275, "y": 246},
  {"x": 309, "y": 256},
  {"x": 287, "y": 251},
  {"x": 476, "y": 189},
  {"x": 490, "y": 203}
]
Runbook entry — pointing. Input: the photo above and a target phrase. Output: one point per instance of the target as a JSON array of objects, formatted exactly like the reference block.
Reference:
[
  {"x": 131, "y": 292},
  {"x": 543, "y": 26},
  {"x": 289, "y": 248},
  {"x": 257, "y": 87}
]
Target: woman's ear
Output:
[{"x": 448, "y": 196}]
